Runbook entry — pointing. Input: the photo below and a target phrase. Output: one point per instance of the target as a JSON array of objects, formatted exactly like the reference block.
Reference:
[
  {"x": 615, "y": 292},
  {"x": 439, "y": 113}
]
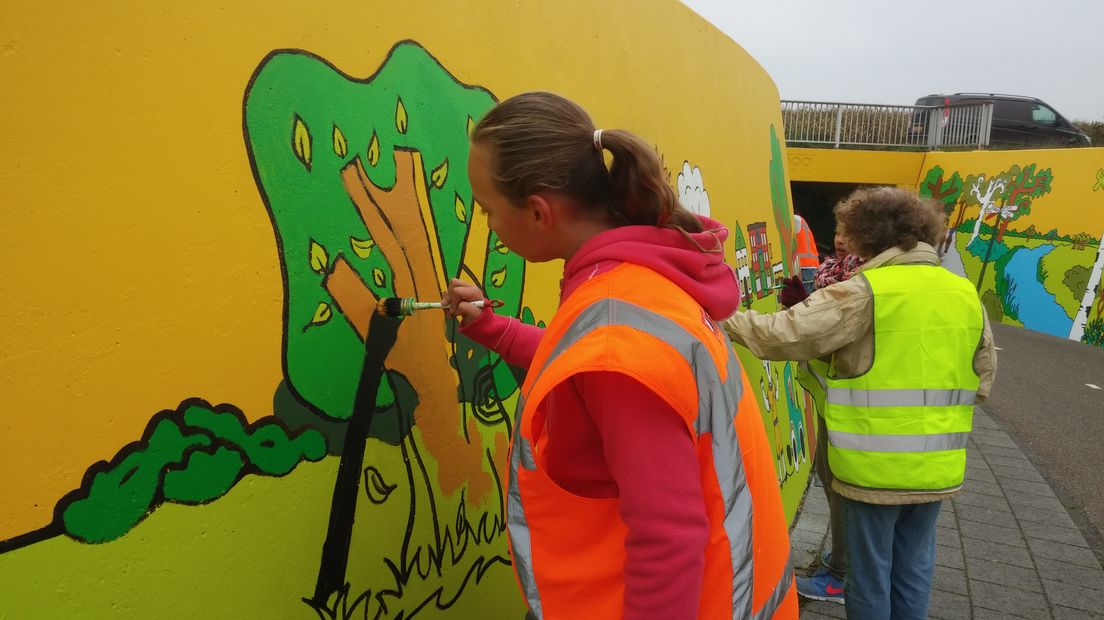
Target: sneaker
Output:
[
  {"x": 825, "y": 560},
  {"x": 821, "y": 588}
]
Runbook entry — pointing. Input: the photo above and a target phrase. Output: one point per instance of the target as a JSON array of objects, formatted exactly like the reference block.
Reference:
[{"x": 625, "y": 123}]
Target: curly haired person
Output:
[{"x": 909, "y": 352}]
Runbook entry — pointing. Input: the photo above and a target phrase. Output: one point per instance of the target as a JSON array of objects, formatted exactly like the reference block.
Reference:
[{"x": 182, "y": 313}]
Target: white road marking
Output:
[{"x": 1095, "y": 387}]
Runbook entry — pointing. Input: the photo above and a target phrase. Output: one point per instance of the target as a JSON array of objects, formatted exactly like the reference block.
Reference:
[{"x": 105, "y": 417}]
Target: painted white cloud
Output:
[{"x": 691, "y": 189}]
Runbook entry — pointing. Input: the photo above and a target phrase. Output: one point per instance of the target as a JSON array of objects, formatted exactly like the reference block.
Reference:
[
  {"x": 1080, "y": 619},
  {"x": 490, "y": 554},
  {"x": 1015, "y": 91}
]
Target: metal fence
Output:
[{"x": 867, "y": 125}]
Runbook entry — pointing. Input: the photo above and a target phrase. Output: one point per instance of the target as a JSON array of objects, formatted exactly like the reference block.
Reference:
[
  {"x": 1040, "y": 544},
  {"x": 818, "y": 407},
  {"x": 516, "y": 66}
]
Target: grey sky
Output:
[{"x": 890, "y": 51}]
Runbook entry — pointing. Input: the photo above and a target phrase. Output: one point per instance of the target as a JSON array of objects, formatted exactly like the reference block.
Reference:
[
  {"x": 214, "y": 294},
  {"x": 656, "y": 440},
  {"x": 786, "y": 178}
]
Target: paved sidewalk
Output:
[{"x": 1005, "y": 545}]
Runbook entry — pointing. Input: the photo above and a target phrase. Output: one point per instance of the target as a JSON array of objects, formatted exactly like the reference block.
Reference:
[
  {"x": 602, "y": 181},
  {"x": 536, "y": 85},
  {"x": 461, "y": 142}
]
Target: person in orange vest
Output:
[
  {"x": 808, "y": 260},
  {"x": 640, "y": 481}
]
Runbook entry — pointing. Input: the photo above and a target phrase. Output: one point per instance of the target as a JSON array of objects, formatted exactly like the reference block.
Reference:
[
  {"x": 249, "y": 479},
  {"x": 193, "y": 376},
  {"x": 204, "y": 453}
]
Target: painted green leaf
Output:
[
  {"x": 461, "y": 209},
  {"x": 500, "y": 247},
  {"x": 378, "y": 278},
  {"x": 439, "y": 174},
  {"x": 319, "y": 260},
  {"x": 362, "y": 248},
  {"x": 400, "y": 117},
  {"x": 301, "y": 142},
  {"x": 322, "y": 315},
  {"x": 471, "y": 125},
  {"x": 340, "y": 146},
  {"x": 498, "y": 278},
  {"x": 373, "y": 150}
]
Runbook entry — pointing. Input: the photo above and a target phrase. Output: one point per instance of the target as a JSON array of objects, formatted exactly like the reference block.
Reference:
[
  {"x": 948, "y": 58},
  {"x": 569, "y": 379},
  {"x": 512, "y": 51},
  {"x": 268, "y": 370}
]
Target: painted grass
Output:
[
  {"x": 1057, "y": 263},
  {"x": 252, "y": 554}
]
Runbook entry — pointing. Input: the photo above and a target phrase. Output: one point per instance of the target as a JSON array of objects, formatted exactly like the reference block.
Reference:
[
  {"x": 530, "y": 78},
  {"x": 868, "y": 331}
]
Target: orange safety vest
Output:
[
  {"x": 569, "y": 551},
  {"x": 807, "y": 256}
]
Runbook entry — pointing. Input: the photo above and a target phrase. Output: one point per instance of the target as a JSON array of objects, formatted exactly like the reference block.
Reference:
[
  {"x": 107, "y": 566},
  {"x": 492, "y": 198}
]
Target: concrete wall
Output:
[{"x": 203, "y": 203}]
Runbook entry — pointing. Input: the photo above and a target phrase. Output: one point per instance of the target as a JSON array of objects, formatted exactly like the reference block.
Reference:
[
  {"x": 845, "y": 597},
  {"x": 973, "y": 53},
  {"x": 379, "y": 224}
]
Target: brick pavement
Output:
[{"x": 1005, "y": 545}]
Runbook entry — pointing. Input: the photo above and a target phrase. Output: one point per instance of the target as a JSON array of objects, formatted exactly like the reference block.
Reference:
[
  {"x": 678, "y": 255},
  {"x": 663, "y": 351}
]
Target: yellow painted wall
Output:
[
  {"x": 853, "y": 166},
  {"x": 144, "y": 272},
  {"x": 1072, "y": 202}
]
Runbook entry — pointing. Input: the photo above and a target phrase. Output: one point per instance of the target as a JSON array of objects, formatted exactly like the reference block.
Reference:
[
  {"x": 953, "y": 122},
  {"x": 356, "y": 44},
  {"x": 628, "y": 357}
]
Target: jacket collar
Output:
[{"x": 922, "y": 254}]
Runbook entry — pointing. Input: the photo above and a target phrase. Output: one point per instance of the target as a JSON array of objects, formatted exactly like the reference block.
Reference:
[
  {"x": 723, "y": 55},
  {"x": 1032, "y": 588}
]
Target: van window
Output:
[
  {"x": 1008, "y": 110},
  {"x": 1044, "y": 115}
]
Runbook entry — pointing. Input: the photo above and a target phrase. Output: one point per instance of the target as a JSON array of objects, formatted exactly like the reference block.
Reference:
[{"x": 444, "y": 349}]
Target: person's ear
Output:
[{"x": 540, "y": 210}]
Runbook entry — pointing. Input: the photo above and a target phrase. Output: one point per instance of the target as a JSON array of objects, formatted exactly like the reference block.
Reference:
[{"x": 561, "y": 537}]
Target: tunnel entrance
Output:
[{"x": 815, "y": 202}]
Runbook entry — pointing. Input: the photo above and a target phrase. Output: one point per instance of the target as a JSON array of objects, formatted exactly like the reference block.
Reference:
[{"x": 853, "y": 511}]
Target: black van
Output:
[{"x": 1018, "y": 121}]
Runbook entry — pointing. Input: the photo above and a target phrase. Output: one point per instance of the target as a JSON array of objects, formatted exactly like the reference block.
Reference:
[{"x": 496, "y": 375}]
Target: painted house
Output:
[
  {"x": 759, "y": 258},
  {"x": 743, "y": 273}
]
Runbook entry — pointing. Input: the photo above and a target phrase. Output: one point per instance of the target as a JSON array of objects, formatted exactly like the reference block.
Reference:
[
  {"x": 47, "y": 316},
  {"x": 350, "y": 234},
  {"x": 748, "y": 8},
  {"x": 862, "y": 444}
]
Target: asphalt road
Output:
[{"x": 1042, "y": 401}]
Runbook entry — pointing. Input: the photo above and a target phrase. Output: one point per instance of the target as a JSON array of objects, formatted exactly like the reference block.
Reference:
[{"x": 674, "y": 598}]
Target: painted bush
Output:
[{"x": 192, "y": 455}]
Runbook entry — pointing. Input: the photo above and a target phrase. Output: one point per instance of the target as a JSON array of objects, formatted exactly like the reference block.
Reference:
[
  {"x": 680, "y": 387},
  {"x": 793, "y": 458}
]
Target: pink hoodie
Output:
[{"x": 608, "y": 436}]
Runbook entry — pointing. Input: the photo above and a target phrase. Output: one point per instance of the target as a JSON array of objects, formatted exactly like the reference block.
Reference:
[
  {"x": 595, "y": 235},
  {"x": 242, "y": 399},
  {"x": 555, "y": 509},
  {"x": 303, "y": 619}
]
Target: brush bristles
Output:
[{"x": 392, "y": 307}]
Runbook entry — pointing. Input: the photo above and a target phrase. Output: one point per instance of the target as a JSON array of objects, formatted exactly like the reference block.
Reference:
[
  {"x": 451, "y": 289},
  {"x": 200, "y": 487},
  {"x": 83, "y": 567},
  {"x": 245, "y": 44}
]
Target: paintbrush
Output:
[{"x": 407, "y": 306}]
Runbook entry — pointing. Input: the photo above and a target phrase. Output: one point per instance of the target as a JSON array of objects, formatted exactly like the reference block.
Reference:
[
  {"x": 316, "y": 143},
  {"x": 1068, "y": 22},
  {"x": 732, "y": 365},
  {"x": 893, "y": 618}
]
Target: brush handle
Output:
[{"x": 428, "y": 305}]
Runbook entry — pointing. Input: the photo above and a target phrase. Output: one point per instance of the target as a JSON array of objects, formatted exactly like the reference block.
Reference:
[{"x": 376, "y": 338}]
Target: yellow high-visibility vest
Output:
[{"x": 904, "y": 424}]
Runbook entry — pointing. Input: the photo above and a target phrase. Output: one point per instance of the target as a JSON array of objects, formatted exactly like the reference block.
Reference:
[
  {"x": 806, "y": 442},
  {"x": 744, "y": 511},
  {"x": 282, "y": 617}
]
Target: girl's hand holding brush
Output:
[
  {"x": 468, "y": 303},
  {"x": 458, "y": 299}
]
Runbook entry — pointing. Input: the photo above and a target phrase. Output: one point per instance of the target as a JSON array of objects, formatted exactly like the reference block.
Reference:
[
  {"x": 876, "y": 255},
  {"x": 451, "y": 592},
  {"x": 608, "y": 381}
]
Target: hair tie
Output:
[{"x": 598, "y": 139}]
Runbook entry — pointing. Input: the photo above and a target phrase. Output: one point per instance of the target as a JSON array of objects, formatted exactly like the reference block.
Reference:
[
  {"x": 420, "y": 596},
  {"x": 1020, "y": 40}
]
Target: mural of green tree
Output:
[
  {"x": 780, "y": 201},
  {"x": 344, "y": 239},
  {"x": 365, "y": 182},
  {"x": 1017, "y": 189},
  {"x": 945, "y": 192},
  {"x": 1026, "y": 185}
]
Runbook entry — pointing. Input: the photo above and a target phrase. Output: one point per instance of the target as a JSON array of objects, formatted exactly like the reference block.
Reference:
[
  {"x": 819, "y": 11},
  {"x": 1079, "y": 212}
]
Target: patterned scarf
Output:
[{"x": 835, "y": 269}]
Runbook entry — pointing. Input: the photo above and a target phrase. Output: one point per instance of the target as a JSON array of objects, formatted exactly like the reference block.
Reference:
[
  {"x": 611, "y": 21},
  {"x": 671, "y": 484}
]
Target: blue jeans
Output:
[
  {"x": 890, "y": 560},
  {"x": 807, "y": 275}
]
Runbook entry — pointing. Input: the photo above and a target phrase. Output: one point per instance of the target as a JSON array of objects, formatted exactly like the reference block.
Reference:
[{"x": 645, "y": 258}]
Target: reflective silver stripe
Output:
[
  {"x": 899, "y": 443},
  {"x": 716, "y": 415},
  {"x": 780, "y": 589},
  {"x": 820, "y": 379},
  {"x": 717, "y": 404},
  {"x": 900, "y": 398},
  {"x": 521, "y": 455}
]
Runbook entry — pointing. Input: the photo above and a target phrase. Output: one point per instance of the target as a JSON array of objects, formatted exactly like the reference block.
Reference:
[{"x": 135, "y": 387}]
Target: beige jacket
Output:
[{"x": 836, "y": 323}]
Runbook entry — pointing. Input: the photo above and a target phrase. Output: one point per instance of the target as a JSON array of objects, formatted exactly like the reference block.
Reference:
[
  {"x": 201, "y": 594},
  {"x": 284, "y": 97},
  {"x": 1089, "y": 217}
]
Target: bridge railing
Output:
[{"x": 873, "y": 125}]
